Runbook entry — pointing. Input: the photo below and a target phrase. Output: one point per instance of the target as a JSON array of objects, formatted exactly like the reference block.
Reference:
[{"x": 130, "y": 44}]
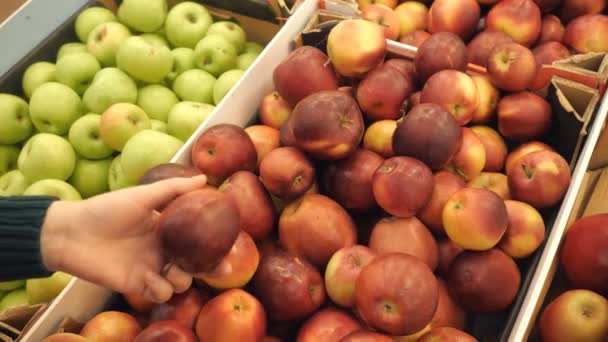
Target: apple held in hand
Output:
[
  {"x": 46, "y": 156},
  {"x": 111, "y": 326},
  {"x": 166, "y": 331},
  {"x": 166, "y": 171},
  {"x": 187, "y": 23},
  {"x": 342, "y": 272},
  {"x": 54, "y": 107}
]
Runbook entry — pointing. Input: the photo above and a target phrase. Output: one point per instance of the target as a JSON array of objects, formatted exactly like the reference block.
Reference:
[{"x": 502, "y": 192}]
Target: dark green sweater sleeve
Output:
[{"x": 20, "y": 221}]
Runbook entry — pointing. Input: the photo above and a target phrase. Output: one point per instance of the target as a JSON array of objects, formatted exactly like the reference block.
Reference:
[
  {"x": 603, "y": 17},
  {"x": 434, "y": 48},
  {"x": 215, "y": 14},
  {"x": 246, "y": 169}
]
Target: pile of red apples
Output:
[{"x": 377, "y": 198}]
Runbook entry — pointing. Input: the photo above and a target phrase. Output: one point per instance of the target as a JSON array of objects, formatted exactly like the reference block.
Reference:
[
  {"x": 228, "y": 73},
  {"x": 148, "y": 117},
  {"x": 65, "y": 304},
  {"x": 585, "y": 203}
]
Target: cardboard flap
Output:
[
  {"x": 598, "y": 202},
  {"x": 599, "y": 158},
  {"x": 19, "y": 317},
  {"x": 5, "y": 338},
  {"x": 9, "y": 332},
  {"x": 594, "y": 64}
]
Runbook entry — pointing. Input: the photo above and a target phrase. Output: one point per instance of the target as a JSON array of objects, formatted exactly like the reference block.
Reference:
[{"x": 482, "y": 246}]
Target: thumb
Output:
[{"x": 158, "y": 194}]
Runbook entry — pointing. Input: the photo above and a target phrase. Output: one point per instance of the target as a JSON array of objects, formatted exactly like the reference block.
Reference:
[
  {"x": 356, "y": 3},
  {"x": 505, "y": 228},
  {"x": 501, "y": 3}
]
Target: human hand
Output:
[{"x": 111, "y": 239}]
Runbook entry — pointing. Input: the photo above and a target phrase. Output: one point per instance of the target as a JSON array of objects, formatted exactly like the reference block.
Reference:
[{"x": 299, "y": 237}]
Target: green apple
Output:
[
  {"x": 70, "y": 48},
  {"x": 155, "y": 39},
  {"x": 244, "y": 61},
  {"x": 90, "y": 177},
  {"x": 143, "y": 15},
  {"x": 86, "y": 139},
  {"x": 90, "y": 18},
  {"x": 156, "y": 101},
  {"x": 215, "y": 54},
  {"x": 145, "y": 150},
  {"x": 195, "y": 85},
  {"x": 53, "y": 187},
  {"x": 187, "y": 23},
  {"x": 120, "y": 122},
  {"x": 158, "y": 125},
  {"x": 8, "y": 158},
  {"x": 44, "y": 290},
  {"x": 77, "y": 70},
  {"x": 15, "y": 123},
  {"x": 253, "y": 47},
  {"x": 183, "y": 60},
  {"x": 185, "y": 117},
  {"x": 105, "y": 39},
  {"x": 37, "y": 74},
  {"x": 11, "y": 285},
  {"x": 144, "y": 61},
  {"x": 54, "y": 107},
  {"x": 46, "y": 156},
  {"x": 232, "y": 32},
  {"x": 116, "y": 176},
  {"x": 110, "y": 86},
  {"x": 12, "y": 183},
  {"x": 13, "y": 299},
  {"x": 225, "y": 83}
]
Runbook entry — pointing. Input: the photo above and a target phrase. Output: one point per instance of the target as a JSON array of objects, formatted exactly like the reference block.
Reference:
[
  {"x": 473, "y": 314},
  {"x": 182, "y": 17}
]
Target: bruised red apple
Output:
[
  {"x": 166, "y": 331},
  {"x": 522, "y": 150},
  {"x": 511, "y": 66},
  {"x": 382, "y": 93},
  {"x": 289, "y": 287},
  {"x": 552, "y": 29},
  {"x": 584, "y": 253},
  {"x": 475, "y": 219},
  {"x": 546, "y": 54},
  {"x": 446, "y": 184},
  {"x": 488, "y": 99},
  {"x": 493, "y": 181},
  {"x": 402, "y": 186},
  {"x": 406, "y": 67},
  {"x": 65, "y": 337},
  {"x": 447, "y": 334},
  {"x": 413, "y": 16},
  {"x": 470, "y": 159},
  {"x": 588, "y": 33},
  {"x": 255, "y": 206},
  {"x": 197, "y": 229},
  {"x": 441, "y": 51},
  {"x": 572, "y": 9},
  {"x": 523, "y": 116},
  {"x": 448, "y": 251},
  {"x": 303, "y": 72},
  {"x": 520, "y": 19},
  {"x": 182, "y": 308},
  {"x": 495, "y": 147},
  {"x": 455, "y": 91},
  {"x": 355, "y": 46},
  {"x": 327, "y": 325},
  {"x": 526, "y": 230},
  {"x": 222, "y": 150},
  {"x": 264, "y": 138},
  {"x": 415, "y": 38},
  {"x": 396, "y": 294},
  {"x": 315, "y": 227},
  {"x": 274, "y": 110},
  {"x": 494, "y": 285},
  {"x": 378, "y": 137},
  {"x": 234, "y": 315},
  {"x": 539, "y": 178},
  {"x": 384, "y": 16},
  {"x": 448, "y": 313},
  {"x": 342, "y": 271},
  {"x": 112, "y": 326},
  {"x": 457, "y": 16},
  {"x": 327, "y": 125},
  {"x": 405, "y": 235},
  {"x": 479, "y": 48},
  {"x": 365, "y": 336},
  {"x": 349, "y": 181},
  {"x": 166, "y": 171},
  {"x": 430, "y": 133},
  {"x": 286, "y": 172}
]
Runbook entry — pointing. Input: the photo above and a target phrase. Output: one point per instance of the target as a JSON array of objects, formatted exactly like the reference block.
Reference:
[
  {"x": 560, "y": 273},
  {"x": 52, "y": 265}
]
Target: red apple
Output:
[
  {"x": 413, "y": 16},
  {"x": 441, "y": 51},
  {"x": 488, "y": 99},
  {"x": 384, "y": 16},
  {"x": 522, "y": 150},
  {"x": 342, "y": 271},
  {"x": 327, "y": 325},
  {"x": 526, "y": 230},
  {"x": 511, "y": 66},
  {"x": 456, "y": 16},
  {"x": 406, "y": 67},
  {"x": 264, "y": 138},
  {"x": 446, "y": 184},
  {"x": 455, "y": 91},
  {"x": 552, "y": 29},
  {"x": 365, "y": 336},
  {"x": 274, "y": 110},
  {"x": 167, "y": 170},
  {"x": 138, "y": 302},
  {"x": 112, "y": 326},
  {"x": 572, "y": 9},
  {"x": 588, "y": 33},
  {"x": 415, "y": 38},
  {"x": 448, "y": 251},
  {"x": 382, "y": 92},
  {"x": 379, "y": 137},
  {"x": 64, "y": 337},
  {"x": 493, "y": 181},
  {"x": 166, "y": 331},
  {"x": 523, "y": 116},
  {"x": 470, "y": 159},
  {"x": 182, "y": 308},
  {"x": 520, "y": 19},
  {"x": 286, "y": 172},
  {"x": 547, "y": 53},
  {"x": 495, "y": 147},
  {"x": 479, "y": 48},
  {"x": 447, "y": 334}
]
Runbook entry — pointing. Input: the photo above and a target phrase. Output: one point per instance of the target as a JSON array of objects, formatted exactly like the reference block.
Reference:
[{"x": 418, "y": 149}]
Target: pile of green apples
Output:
[
  {"x": 119, "y": 102},
  {"x": 32, "y": 291}
]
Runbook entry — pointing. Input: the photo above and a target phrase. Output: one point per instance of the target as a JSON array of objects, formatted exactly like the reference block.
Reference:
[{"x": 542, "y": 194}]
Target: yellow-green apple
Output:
[
  {"x": 415, "y": 38},
  {"x": 120, "y": 122},
  {"x": 494, "y": 286},
  {"x": 85, "y": 137},
  {"x": 53, "y": 187},
  {"x": 588, "y": 33},
  {"x": 158, "y": 125},
  {"x": 413, "y": 16},
  {"x": 552, "y": 29},
  {"x": 447, "y": 334},
  {"x": 446, "y": 184},
  {"x": 77, "y": 70},
  {"x": 441, "y": 51},
  {"x": 274, "y": 110},
  {"x": 523, "y": 116},
  {"x": 225, "y": 83},
  {"x": 46, "y": 156},
  {"x": 244, "y": 61},
  {"x": 264, "y": 138},
  {"x": 183, "y": 308},
  {"x": 495, "y": 147},
  {"x": 382, "y": 92},
  {"x": 64, "y": 337},
  {"x": 15, "y": 123},
  {"x": 525, "y": 232},
  {"x": 402, "y": 186},
  {"x": 195, "y": 85},
  {"x": 461, "y": 101},
  {"x": 327, "y": 325},
  {"x": 12, "y": 183},
  {"x": 165, "y": 331},
  {"x": 488, "y": 99},
  {"x": 116, "y": 175},
  {"x": 378, "y": 137},
  {"x": 448, "y": 313},
  {"x": 384, "y": 16},
  {"x": 512, "y": 67},
  {"x": 183, "y": 60},
  {"x": 448, "y": 251},
  {"x": 143, "y": 15},
  {"x": 13, "y": 299},
  {"x": 355, "y": 46},
  {"x": 185, "y": 117},
  {"x": 71, "y": 48},
  {"x": 539, "y": 178},
  {"x": 111, "y": 326},
  {"x": 571, "y": 9},
  {"x": 11, "y": 285},
  {"x": 479, "y": 48},
  {"x": 520, "y": 19},
  {"x": 54, "y": 107},
  {"x": 366, "y": 336},
  {"x": 215, "y": 55},
  {"x": 90, "y": 18},
  {"x": 90, "y": 177},
  {"x": 105, "y": 39},
  {"x": 287, "y": 172},
  {"x": 110, "y": 86},
  {"x": 442, "y": 16},
  {"x": 396, "y": 294},
  {"x": 475, "y": 219},
  {"x": 156, "y": 100},
  {"x": 44, "y": 290},
  {"x": 36, "y": 74},
  {"x": 575, "y": 315},
  {"x": 342, "y": 271},
  {"x": 494, "y": 181},
  {"x": 186, "y": 24},
  {"x": 318, "y": 239},
  {"x": 470, "y": 159},
  {"x": 523, "y": 149},
  {"x": 144, "y": 61},
  {"x": 253, "y": 47},
  {"x": 231, "y": 32},
  {"x": 547, "y": 53}
]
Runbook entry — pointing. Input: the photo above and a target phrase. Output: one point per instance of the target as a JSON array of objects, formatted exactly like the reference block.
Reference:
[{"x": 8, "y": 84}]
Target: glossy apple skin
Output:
[
  {"x": 446, "y": 184},
  {"x": 515, "y": 155},
  {"x": 396, "y": 294},
  {"x": 455, "y": 91},
  {"x": 493, "y": 181},
  {"x": 512, "y": 67},
  {"x": 315, "y": 227},
  {"x": 166, "y": 171},
  {"x": 443, "y": 14},
  {"x": 415, "y": 38},
  {"x": 413, "y": 16},
  {"x": 327, "y": 325},
  {"x": 526, "y": 230},
  {"x": 286, "y": 172},
  {"x": 432, "y": 55},
  {"x": 575, "y": 315},
  {"x": 495, "y": 146},
  {"x": 429, "y": 133},
  {"x": 166, "y": 331},
  {"x": 479, "y": 48},
  {"x": 402, "y": 186},
  {"x": 488, "y": 99},
  {"x": 384, "y": 16},
  {"x": 539, "y": 178},
  {"x": 111, "y": 326},
  {"x": 234, "y": 315},
  {"x": 588, "y": 33},
  {"x": 198, "y": 229},
  {"x": 584, "y": 253},
  {"x": 572, "y": 9},
  {"x": 379, "y": 137},
  {"x": 274, "y": 110},
  {"x": 524, "y": 116},
  {"x": 183, "y": 308},
  {"x": 264, "y": 138},
  {"x": 448, "y": 313},
  {"x": 470, "y": 159},
  {"x": 382, "y": 92},
  {"x": 328, "y": 125},
  {"x": 447, "y": 334},
  {"x": 366, "y": 336},
  {"x": 405, "y": 235},
  {"x": 448, "y": 251},
  {"x": 256, "y": 210},
  {"x": 552, "y": 29},
  {"x": 222, "y": 150},
  {"x": 64, "y": 337},
  {"x": 303, "y": 72},
  {"x": 342, "y": 271},
  {"x": 520, "y": 19},
  {"x": 495, "y": 285},
  {"x": 349, "y": 181}
]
